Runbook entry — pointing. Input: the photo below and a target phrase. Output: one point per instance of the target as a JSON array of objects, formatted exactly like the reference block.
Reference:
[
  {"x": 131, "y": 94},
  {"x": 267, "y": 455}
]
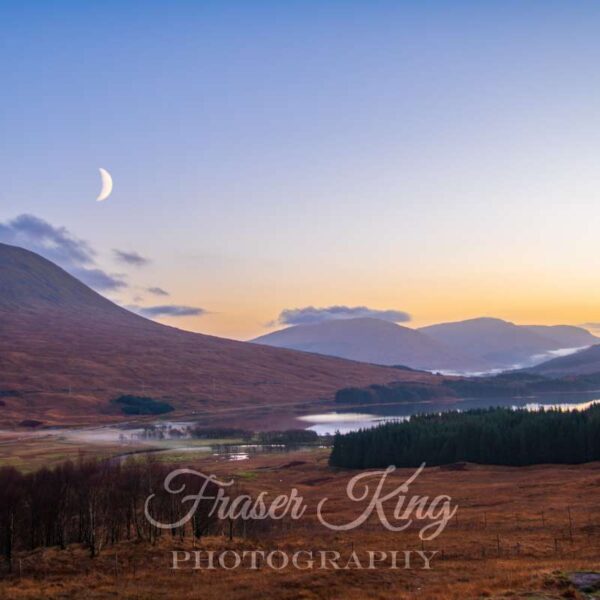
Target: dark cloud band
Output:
[
  {"x": 168, "y": 310},
  {"x": 131, "y": 258},
  {"x": 157, "y": 291},
  {"x": 310, "y": 314}
]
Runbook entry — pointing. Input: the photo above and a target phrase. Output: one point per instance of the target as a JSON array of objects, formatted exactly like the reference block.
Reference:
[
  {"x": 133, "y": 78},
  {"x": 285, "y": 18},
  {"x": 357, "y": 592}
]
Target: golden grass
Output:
[
  {"x": 524, "y": 510},
  {"x": 29, "y": 453}
]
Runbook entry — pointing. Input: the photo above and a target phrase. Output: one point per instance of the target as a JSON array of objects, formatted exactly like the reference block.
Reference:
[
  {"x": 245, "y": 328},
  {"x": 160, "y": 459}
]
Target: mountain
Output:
[
  {"x": 564, "y": 336},
  {"x": 66, "y": 352},
  {"x": 475, "y": 345},
  {"x": 584, "y": 362},
  {"x": 505, "y": 344},
  {"x": 373, "y": 341}
]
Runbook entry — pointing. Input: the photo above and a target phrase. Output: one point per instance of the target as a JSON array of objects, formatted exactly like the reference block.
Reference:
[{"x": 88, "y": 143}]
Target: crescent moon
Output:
[{"x": 107, "y": 185}]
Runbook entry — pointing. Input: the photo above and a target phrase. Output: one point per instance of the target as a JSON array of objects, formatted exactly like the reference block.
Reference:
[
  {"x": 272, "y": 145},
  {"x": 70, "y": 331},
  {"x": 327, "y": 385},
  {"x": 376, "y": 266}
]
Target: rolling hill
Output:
[
  {"x": 66, "y": 352},
  {"x": 505, "y": 344},
  {"x": 373, "y": 341},
  {"x": 584, "y": 362},
  {"x": 475, "y": 345},
  {"x": 564, "y": 336}
]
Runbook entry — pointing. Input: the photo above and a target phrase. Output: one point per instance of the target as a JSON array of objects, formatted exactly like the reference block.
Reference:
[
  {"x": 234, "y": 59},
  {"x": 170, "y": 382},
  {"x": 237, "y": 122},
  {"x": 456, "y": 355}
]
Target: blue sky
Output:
[{"x": 438, "y": 158}]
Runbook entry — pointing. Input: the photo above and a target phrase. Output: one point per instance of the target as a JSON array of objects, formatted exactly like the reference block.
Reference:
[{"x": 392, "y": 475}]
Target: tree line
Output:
[
  {"x": 97, "y": 504},
  {"x": 508, "y": 385},
  {"x": 495, "y": 436}
]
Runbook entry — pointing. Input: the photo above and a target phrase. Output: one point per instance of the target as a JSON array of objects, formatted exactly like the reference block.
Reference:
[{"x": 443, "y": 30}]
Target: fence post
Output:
[{"x": 570, "y": 524}]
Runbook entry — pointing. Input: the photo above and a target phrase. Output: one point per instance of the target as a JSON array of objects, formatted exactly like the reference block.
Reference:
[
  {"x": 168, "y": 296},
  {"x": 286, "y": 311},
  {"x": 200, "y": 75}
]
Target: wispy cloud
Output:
[
  {"x": 157, "y": 291},
  {"x": 168, "y": 310},
  {"x": 310, "y": 314},
  {"x": 131, "y": 258},
  {"x": 59, "y": 245},
  {"x": 99, "y": 279},
  {"x": 56, "y": 242}
]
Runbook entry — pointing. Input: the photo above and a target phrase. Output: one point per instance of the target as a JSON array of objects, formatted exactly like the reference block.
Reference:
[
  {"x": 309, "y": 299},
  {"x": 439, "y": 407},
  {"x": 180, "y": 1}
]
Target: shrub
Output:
[{"x": 141, "y": 405}]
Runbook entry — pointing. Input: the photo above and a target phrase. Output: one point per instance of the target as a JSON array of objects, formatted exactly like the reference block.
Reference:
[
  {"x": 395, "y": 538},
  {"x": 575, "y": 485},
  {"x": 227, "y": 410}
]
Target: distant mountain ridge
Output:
[
  {"x": 565, "y": 336},
  {"x": 474, "y": 345},
  {"x": 374, "y": 341},
  {"x": 505, "y": 344}
]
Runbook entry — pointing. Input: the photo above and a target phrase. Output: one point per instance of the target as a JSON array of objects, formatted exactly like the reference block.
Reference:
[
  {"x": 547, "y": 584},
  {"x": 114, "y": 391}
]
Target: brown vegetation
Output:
[
  {"x": 517, "y": 533},
  {"x": 66, "y": 352}
]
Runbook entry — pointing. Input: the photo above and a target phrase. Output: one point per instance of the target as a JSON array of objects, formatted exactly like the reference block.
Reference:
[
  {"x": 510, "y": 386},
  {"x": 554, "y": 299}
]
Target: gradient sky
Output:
[{"x": 439, "y": 158}]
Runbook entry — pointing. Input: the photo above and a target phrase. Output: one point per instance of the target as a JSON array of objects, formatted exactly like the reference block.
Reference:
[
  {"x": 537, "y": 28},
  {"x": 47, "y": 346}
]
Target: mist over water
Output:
[
  {"x": 344, "y": 420},
  {"x": 532, "y": 361}
]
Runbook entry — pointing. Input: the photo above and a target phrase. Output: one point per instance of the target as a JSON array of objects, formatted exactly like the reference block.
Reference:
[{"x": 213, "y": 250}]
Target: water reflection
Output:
[
  {"x": 346, "y": 420},
  {"x": 330, "y": 423},
  {"x": 534, "y": 406},
  {"x": 134, "y": 439}
]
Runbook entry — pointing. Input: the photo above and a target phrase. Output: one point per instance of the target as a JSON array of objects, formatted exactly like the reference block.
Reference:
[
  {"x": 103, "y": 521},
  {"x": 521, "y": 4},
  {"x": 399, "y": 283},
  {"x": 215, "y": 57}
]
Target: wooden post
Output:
[{"x": 570, "y": 524}]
